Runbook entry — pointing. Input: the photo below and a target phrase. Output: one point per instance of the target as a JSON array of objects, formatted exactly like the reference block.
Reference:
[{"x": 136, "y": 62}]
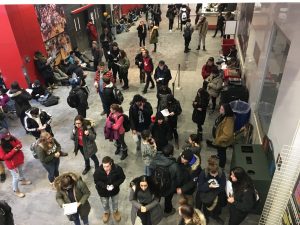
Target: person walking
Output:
[
  {"x": 139, "y": 63},
  {"x": 148, "y": 69},
  {"x": 71, "y": 188},
  {"x": 148, "y": 149},
  {"x": 162, "y": 74},
  {"x": 187, "y": 34},
  {"x": 114, "y": 129},
  {"x": 97, "y": 54},
  {"x": 220, "y": 24},
  {"x": 153, "y": 37},
  {"x": 106, "y": 40},
  {"x": 200, "y": 105},
  {"x": 223, "y": 133},
  {"x": 11, "y": 153},
  {"x": 84, "y": 137},
  {"x": 202, "y": 27},
  {"x": 92, "y": 31},
  {"x": 113, "y": 58},
  {"x": 142, "y": 32},
  {"x": 124, "y": 65},
  {"x": 171, "y": 13},
  {"x": 160, "y": 131},
  {"x": 108, "y": 95},
  {"x": 108, "y": 178}
]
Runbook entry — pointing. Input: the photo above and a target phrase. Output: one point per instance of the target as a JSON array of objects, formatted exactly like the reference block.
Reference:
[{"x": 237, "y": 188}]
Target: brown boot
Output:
[
  {"x": 117, "y": 216},
  {"x": 19, "y": 194},
  {"x": 105, "y": 217},
  {"x": 25, "y": 182}
]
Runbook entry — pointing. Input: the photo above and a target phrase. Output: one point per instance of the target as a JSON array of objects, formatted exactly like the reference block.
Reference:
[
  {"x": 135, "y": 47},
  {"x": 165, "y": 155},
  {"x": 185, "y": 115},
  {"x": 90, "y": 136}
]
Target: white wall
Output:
[{"x": 287, "y": 108}]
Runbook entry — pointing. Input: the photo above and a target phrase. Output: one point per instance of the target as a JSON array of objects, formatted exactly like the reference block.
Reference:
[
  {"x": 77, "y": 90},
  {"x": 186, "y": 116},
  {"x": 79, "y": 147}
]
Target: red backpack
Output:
[{"x": 148, "y": 67}]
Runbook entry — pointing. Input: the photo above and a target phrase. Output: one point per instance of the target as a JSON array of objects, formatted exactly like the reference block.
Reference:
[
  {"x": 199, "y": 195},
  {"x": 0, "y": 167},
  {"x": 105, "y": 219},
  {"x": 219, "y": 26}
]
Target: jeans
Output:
[
  {"x": 121, "y": 142},
  {"x": 148, "y": 80},
  {"x": 85, "y": 220},
  {"x": 81, "y": 111},
  {"x": 52, "y": 169},
  {"x": 105, "y": 203},
  {"x": 17, "y": 175},
  {"x": 201, "y": 38},
  {"x": 142, "y": 76},
  {"x": 101, "y": 97},
  {"x": 145, "y": 217},
  {"x": 154, "y": 44},
  {"x": 87, "y": 161}
]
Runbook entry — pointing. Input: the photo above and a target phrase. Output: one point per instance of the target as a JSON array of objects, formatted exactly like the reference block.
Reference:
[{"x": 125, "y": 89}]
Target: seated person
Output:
[
  {"x": 81, "y": 55},
  {"x": 60, "y": 76},
  {"x": 208, "y": 67},
  {"x": 39, "y": 92},
  {"x": 73, "y": 58}
]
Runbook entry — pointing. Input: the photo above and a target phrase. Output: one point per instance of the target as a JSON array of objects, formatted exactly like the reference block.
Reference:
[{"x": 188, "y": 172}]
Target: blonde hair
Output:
[
  {"x": 44, "y": 140},
  {"x": 212, "y": 164}
]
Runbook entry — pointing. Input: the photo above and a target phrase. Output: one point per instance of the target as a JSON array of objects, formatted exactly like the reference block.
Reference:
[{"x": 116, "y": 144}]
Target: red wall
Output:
[
  {"x": 27, "y": 33},
  {"x": 10, "y": 59},
  {"x": 127, "y": 8}
]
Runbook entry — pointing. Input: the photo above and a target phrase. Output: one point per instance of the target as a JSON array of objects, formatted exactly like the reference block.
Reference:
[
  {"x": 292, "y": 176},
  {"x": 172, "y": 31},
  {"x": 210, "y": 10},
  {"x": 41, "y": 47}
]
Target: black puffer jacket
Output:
[
  {"x": 160, "y": 133},
  {"x": 82, "y": 96},
  {"x": 201, "y": 101},
  {"x": 170, "y": 162},
  {"x": 21, "y": 98},
  {"x": 134, "y": 117},
  {"x": 108, "y": 95},
  {"x": 116, "y": 177},
  {"x": 164, "y": 75},
  {"x": 32, "y": 126}
]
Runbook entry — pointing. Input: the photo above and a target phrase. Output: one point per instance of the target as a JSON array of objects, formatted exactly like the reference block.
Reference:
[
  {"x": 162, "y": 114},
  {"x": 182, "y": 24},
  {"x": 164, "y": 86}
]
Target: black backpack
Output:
[
  {"x": 51, "y": 100},
  {"x": 118, "y": 96},
  {"x": 162, "y": 178},
  {"x": 126, "y": 122},
  {"x": 73, "y": 99}
]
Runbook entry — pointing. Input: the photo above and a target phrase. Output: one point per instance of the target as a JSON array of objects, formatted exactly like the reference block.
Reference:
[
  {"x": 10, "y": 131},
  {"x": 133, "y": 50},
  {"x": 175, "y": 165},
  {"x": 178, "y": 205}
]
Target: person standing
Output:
[
  {"x": 113, "y": 58},
  {"x": 142, "y": 32},
  {"x": 153, "y": 37},
  {"x": 200, "y": 105},
  {"x": 108, "y": 178},
  {"x": 84, "y": 137},
  {"x": 114, "y": 129},
  {"x": 228, "y": 17},
  {"x": 148, "y": 149},
  {"x": 208, "y": 67},
  {"x": 80, "y": 98},
  {"x": 214, "y": 86},
  {"x": 220, "y": 24},
  {"x": 106, "y": 40},
  {"x": 97, "y": 54},
  {"x": 171, "y": 13},
  {"x": 162, "y": 74},
  {"x": 223, "y": 133},
  {"x": 21, "y": 98},
  {"x": 160, "y": 131},
  {"x": 139, "y": 63},
  {"x": 148, "y": 68},
  {"x": 140, "y": 112},
  {"x": 108, "y": 95},
  {"x": 202, "y": 27},
  {"x": 71, "y": 188},
  {"x": 124, "y": 65},
  {"x": 92, "y": 31},
  {"x": 187, "y": 34},
  {"x": 243, "y": 198},
  {"x": 13, "y": 156},
  {"x": 183, "y": 15}
]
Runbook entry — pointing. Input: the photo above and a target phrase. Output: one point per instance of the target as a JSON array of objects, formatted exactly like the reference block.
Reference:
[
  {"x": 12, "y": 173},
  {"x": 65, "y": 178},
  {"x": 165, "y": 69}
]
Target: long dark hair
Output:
[
  {"x": 146, "y": 179},
  {"x": 244, "y": 182},
  {"x": 6, "y": 145}
]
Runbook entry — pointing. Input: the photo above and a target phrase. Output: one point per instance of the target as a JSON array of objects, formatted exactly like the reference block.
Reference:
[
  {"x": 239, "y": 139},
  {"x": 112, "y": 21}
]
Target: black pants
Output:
[
  {"x": 87, "y": 161},
  {"x": 142, "y": 40},
  {"x": 236, "y": 216},
  {"x": 154, "y": 44},
  {"x": 214, "y": 102},
  {"x": 121, "y": 143},
  {"x": 145, "y": 217},
  {"x": 219, "y": 29},
  {"x": 124, "y": 76},
  {"x": 181, "y": 24},
  {"x": 115, "y": 70},
  {"x": 226, "y": 36},
  {"x": 168, "y": 203},
  {"x": 22, "y": 116},
  {"x": 171, "y": 22},
  {"x": 81, "y": 111},
  {"x": 148, "y": 80},
  {"x": 49, "y": 80},
  {"x": 200, "y": 131},
  {"x": 142, "y": 76},
  {"x": 173, "y": 128},
  {"x": 222, "y": 156},
  {"x": 186, "y": 43}
]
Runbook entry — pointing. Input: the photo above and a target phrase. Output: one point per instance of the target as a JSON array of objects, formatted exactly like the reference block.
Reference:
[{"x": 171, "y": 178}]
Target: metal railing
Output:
[{"x": 178, "y": 80}]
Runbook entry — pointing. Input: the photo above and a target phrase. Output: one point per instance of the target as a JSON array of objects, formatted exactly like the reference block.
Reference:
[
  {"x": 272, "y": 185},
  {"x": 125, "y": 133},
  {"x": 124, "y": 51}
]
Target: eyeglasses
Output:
[{"x": 78, "y": 123}]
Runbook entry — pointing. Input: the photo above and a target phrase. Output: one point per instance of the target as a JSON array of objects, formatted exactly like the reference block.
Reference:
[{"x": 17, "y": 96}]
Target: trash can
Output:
[{"x": 242, "y": 112}]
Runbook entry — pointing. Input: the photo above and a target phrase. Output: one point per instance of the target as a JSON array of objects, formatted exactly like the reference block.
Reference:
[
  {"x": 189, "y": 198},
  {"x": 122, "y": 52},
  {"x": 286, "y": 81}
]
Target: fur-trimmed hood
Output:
[
  {"x": 57, "y": 180},
  {"x": 197, "y": 163}
]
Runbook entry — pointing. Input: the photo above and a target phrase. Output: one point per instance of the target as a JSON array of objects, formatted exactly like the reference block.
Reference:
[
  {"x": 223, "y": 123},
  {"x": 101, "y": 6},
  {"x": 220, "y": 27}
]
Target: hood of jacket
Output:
[
  {"x": 110, "y": 85},
  {"x": 57, "y": 180},
  {"x": 162, "y": 160},
  {"x": 29, "y": 115},
  {"x": 197, "y": 163}
]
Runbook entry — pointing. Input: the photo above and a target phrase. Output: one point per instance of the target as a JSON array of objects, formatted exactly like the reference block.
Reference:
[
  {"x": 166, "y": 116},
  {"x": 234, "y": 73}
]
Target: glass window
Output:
[{"x": 279, "y": 49}]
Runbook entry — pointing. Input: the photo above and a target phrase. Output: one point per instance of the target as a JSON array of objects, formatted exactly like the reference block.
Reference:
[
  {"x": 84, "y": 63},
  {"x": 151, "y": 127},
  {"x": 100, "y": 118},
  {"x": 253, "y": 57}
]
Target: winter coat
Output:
[
  {"x": 225, "y": 132},
  {"x": 163, "y": 75},
  {"x": 21, "y": 98},
  {"x": 114, "y": 126},
  {"x": 156, "y": 212},
  {"x": 139, "y": 60},
  {"x": 108, "y": 95},
  {"x": 206, "y": 70},
  {"x": 171, "y": 13},
  {"x": 220, "y": 22},
  {"x": 6, "y": 216},
  {"x": 116, "y": 177},
  {"x": 82, "y": 96},
  {"x": 195, "y": 149},
  {"x": 244, "y": 200},
  {"x": 32, "y": 126},
  {"x": 214, "y": 85},
  {"x": 162, "y": 98},
  {"x": 205, "y": 177},
  {"x": 142, "y": 31},
  {"x": 13, "y": 158},
  {"x": 202, "y": 28},
  {"x": 105, "y": 43},
  {"x": 43, "y": 156},
  {"x": 160, "y": 133},
  {"x": 169, "y": 162},
  {"x": 148, "y": 152},
  {"x": 134, "y": 117},
  {"x": 89, "y": 144},
  {"x": 124, "y": 65},
  {"x": 44, "y": 70},
  {"x": 113, "y": 57},
  {"x": 188, "y": 31},
  {"x": 154, "y": 35},
  {"x": 148, "y": 64},
  {"x": 201, "y": 101},
  {"x": 92, "y": 31},
  {"x": 101, "y": 84},
  {"x": 189, "y": 175},
  {"x": 176, "y": 108},
  {"x": 80, "y": 190}
]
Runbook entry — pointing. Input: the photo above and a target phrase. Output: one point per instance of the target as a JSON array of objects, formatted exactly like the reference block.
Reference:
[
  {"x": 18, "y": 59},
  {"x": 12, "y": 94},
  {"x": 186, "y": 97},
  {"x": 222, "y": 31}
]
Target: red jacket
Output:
[
  {"x": 14, "y": 158},
  {"x": 118, "y": 124},
  {"x": 206, "y": 70},
  {"x": 97, "y": 78},
  {"x": 92, "y": 31}
]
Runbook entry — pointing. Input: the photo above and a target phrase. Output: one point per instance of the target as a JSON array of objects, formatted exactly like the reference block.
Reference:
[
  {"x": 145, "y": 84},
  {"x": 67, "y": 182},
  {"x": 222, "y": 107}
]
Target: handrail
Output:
[{"x": 178, "y": 83}]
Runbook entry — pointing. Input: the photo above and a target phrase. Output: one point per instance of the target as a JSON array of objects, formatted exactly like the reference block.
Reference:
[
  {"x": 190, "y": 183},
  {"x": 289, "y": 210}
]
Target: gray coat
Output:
[
  {"x": 214, "y": 85},
  {"x": 89, "y": 144},
  {"x": 154, "y": 207}
]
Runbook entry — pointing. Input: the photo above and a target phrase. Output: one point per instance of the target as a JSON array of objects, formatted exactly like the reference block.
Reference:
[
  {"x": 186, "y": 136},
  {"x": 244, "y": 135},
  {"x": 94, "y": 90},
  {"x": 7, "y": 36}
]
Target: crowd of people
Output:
[{"x": 203, "y": 192}]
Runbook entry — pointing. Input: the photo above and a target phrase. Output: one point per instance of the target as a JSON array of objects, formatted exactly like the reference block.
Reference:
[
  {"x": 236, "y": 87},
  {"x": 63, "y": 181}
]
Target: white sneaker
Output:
[{"x": 170, "y": 31}]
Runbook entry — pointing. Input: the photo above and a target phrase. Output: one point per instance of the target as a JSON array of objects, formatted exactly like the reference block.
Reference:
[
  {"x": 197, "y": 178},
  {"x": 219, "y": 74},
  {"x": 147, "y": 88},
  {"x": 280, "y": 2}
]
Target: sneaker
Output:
[
  {"x": 2, "y": 177},
  {"x": 25, "y": 182},
  {"x": 170, "y": 31},
  {"x": 117, "y": 216},
  {"x": 19, "y": 194},
  {"x": 105, "y": 217},
  {"x": 170, "y": 213},
  {"x": 86, "y": 170}
]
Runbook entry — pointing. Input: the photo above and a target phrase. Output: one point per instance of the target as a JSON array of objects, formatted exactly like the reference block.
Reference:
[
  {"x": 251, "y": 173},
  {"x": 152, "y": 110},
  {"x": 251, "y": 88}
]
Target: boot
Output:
[
  {"x": 198, "y": 47},
  {"x": 124, "y": 154},
  {"x": 19, "y": 194},
  {"x": 204, "y": 49},
  {"x": 105, "y": 217},
  {"x": 2, "y": 177},
  {"x": 25, "y": 182},
  {"x": 117, "y": 152},
  {"x": 86, "y": 170},
  {"x": 117, "y": 216}
]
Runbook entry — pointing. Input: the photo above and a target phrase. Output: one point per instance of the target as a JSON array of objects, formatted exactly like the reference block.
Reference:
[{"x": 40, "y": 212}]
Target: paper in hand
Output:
[
  {"x": 70, "y": 208},
  {"x": 165, "y": 112},
  {"x": 229, "y": 190}
]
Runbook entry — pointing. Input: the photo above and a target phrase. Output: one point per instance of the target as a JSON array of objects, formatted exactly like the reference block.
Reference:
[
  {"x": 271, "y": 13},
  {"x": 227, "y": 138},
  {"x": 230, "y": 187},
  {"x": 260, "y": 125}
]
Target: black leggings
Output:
[
  {"x": 87, "y": 161},
  {"x": 145, "y": 217},
  {"x": 142, "y": 40},
  {"x": 171, "y": 22}
]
